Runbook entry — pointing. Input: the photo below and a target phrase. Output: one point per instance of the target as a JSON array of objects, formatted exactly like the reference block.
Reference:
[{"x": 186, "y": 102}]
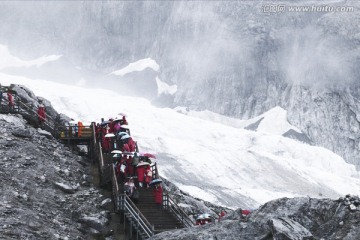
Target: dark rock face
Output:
[
  {"x": 287, "y": 229},
  {"x": 297, "y": 136},
  {"x": 31, "y": 102},
  {"x": 290, "y": 219},
  {"x": 46, "y": 191}
]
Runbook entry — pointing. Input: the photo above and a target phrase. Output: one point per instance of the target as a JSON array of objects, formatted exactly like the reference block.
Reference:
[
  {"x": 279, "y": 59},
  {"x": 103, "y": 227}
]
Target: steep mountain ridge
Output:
[{"x": 228, "y": 57}]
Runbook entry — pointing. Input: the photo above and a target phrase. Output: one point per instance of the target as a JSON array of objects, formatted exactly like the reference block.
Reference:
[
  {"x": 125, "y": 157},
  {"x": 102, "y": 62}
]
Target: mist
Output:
[{"x": 225, "y": 50}]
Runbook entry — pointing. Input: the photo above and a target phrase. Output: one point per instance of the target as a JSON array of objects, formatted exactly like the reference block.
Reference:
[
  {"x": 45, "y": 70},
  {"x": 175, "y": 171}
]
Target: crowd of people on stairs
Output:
[{"x": 133, "y": 169}]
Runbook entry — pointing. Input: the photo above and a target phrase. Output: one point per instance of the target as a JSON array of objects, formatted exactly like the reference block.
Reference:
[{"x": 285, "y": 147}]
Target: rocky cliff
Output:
[
  {"x": 286, "y": 219},
  {"x": 47, "y": 191}
]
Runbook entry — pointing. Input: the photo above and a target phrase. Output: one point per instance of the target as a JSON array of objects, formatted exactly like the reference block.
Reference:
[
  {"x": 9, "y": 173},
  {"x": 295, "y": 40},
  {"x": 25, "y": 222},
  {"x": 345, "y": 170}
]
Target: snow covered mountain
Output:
[
  {"x": 235, "y": 163},
  {"x": 230, "y": 57}
]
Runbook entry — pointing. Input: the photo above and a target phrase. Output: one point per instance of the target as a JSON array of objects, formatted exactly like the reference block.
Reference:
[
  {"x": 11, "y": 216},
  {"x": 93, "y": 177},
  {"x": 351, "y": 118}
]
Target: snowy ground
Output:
[{"x": 210, "y": 156}]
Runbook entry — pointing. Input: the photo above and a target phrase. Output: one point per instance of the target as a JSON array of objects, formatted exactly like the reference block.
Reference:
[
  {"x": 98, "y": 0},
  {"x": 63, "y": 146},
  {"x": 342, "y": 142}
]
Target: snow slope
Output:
[
  {"x": 137, "y": 66},
  {"x": 221, "y": 163},
  {"x": 8, "y": 60}
]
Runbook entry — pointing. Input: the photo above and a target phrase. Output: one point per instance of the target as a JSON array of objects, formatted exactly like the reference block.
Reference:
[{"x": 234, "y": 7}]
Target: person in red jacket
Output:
[
  {"x": 221, "y": 215},
  {"x": 41, "y": 113},
  {"x": 125, "y": 148},
  {"x": 105, "y": 143},
  {"x": 158, "y": 195},
  {"x": 148, "y": 175},
  {"x": 124, "y": 122},
  {"x": 98, "y": 131},
  {"x": 129, "y": 166},
  {"x": 11, "y": 101},
  {"x": 111, "y": 125},
  {"x": 140, "y": 171},
  {"x": 132, "y": 144}
]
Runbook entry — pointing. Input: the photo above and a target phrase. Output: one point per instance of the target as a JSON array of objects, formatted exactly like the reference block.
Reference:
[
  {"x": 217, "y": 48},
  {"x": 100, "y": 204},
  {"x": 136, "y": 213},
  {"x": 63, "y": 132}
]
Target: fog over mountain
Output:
[{"x": 225, "y": 56}]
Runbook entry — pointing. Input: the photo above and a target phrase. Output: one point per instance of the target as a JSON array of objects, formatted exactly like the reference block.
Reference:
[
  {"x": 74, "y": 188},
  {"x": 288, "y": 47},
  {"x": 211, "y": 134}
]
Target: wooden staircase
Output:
[{"x": 161, "y": 219}]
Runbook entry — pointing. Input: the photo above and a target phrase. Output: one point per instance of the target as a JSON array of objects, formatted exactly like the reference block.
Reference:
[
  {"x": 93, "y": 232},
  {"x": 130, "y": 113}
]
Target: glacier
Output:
[
  {"x": 212, "y": 59},
  {"x": 229, "y": 57},
  {"x": 212, "y": 157}
]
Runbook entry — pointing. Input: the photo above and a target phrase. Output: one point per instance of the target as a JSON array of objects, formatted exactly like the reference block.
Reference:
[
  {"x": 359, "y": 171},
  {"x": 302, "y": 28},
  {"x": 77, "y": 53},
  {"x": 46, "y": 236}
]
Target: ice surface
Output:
[
  {"x": 217, "y": 162},
  {"x": 138, "y": 66}
]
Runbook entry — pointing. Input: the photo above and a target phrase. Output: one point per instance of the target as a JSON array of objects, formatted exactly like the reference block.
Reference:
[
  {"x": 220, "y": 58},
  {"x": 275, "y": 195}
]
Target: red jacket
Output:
[
  {"x": 41, "y": 113},
  {"x": 106, "y": 144},
  {"x": 11, "y": 99},
  {"x": 148, "y": 175},
  {"x": 158, "y": 192},
  {"x": 129, "y": 166},
  {"x": 132, "y": 145},
  {"x": 245, "y": 212},
  {"x": 124, "y": 121},
  {"x": 126, "y": 148},
  {"x": 221, "y": 215},
  {"x": 111, "y": 127},
  {"x": 140, "y": 171}
]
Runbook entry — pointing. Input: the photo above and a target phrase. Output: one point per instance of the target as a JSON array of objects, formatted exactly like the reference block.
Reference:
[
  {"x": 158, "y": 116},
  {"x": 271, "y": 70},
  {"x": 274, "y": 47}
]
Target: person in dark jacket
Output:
[{"x": 158, "y": 195}]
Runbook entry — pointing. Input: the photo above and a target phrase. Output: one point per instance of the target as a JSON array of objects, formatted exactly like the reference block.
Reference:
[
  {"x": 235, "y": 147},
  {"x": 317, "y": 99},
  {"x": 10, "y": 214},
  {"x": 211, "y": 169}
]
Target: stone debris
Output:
[
  {"x": 65, "y": 188},
  {"x": 284, "y": 219},
  {"x": 30, "y": 208},
  {"x": 105, "y": 203},
  {"x": 286, "y": 228},
  {"x": 45, "y": 133}
]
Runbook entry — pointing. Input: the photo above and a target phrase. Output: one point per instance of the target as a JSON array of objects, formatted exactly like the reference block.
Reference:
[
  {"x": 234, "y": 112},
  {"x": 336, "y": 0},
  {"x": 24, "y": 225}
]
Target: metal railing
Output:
[
  {"x": 49, "y": 124},
  {"x": 104, "y": 167},
  {"x": 92, "y": 145},
  {"x": 24, "y": 106},
  {"x": 115, "y": 191},
  {"x": 122, "y": 201},
  {"x": 134, "y": 215},
  {"x": 124, "y": 204},
  {"x": 68, "y": 132},
  {"x": 169, "y": 203},
  {"x": 154, "y": 171}
]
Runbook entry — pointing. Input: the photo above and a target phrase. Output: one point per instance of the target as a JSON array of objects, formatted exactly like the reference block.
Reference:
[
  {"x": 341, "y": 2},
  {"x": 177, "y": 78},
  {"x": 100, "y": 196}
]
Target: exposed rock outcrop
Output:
[
  {"x": 290, "y": 219},
  {"x": 44, "y": 194}
]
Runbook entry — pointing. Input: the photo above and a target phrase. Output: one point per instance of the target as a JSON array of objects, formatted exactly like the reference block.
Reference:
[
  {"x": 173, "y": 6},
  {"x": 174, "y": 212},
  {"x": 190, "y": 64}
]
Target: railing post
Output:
[
  {"x": 165, "y": 201},
  {"x": 138, "y": 221}
]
